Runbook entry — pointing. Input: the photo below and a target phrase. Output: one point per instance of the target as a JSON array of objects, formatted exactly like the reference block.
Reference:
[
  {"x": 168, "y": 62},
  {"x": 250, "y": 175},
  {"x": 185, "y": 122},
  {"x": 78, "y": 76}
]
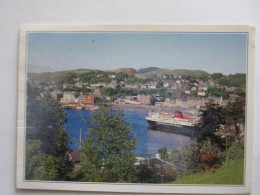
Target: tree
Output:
[
  {"x": 212, "y": 117},
  {"x": 109, "y": 150},
  {"x": 35, "y": 161},
  {"x": 163, "y": 153},
  {"x": 216, "y": 75},
  {"x": 46, "y": 138},
  {"x": 235, "y": 117},
  {"x": 211, "y": 120},
  {"x": 108, "y": 91},
  {"x": 189, "y": 159}
]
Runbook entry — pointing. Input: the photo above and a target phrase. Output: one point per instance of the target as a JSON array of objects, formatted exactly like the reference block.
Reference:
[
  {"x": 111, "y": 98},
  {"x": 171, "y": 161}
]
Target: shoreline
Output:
[{"x": 146, "y": 108}]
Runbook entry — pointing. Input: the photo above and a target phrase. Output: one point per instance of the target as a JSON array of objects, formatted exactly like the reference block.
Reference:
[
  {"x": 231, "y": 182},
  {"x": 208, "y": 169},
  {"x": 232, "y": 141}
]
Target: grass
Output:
[{"x": 229, "y": 174}]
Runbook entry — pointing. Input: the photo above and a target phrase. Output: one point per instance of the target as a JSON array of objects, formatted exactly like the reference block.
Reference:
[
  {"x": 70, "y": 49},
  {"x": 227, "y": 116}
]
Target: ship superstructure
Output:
[{"x": 175, "y": 122}]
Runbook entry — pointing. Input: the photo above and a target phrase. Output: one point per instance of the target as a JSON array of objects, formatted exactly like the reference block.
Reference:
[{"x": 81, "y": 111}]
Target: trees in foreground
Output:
[
  {"x": 47, "y": 150},
  {"x": 109, "y": 149},
  {"x": 221, "y": 141},
  {"x": 108, "y": 153}
]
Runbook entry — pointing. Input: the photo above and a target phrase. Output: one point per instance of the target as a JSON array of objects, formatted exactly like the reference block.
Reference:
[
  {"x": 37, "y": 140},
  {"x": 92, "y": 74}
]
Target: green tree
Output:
[
  {"x": 236, "y": 151},
  {"x": 108, "y": 91},
  {"x": 188, "y": 160},
  {"x": 164, "y": 153},
  {"x": 47, "y": 136},
  {"x": 109, "y": 150},
  {"x": 237, "y": 80},
  {"x": 35, "y": 161},
  {"x": 235, "y": 117},
  {"x": 212, "y": 118},
  {"x": 216, "y": 75}
]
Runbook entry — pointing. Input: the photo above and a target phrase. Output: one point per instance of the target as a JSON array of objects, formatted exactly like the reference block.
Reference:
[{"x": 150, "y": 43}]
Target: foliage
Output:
[
  {"x": 236, "y": 151},
  {"x": 146, "y": 174},
  {"x": 159, "y": 85},
  {"x": 94, "y": 77},
  {"x": 148, "y": 91},
  {"x": 35, "y": 161},
  {"x": 46, "y": 138},
  {"x": 134, "y": 80},
  {"x": 164, "y": 153},
  {"x": 154, "y": 172},
  {"x": 109, "y": 149},
  {"x": 188, "y": 160},
  {"x": 121, "y": 76},
  {"x": 216, "y": 76},
  {"x": 231, "y": 173},
  {"x": 79, "y": 89},
  {"x": 237, "y": 80},
  {"x": 210, "y": 162},
  {"x": 108, "y": 91},
  {"x": 235, "y": 117},
  {"x": 218, "y": 92},
  {"x": 211, "y": 119}
]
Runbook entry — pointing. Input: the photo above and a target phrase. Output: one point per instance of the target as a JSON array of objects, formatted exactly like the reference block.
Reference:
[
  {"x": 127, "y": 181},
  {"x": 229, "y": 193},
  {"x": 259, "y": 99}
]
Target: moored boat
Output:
[{"x": 173, "y": 122}]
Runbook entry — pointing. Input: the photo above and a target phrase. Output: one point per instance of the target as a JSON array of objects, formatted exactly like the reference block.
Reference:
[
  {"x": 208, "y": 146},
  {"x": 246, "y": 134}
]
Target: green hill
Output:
[
  {"x": 175, "y": 72},
  {"x": 181, "y": 72},
  {"x": 147, "y": 70},
  {"x": 229, "y": 174},
  {"x": 43, "y": 76},
  {"x": 129, "y": 71},
  {"x": 56, "y": 76},
  {"x": 59, "y": 75}
]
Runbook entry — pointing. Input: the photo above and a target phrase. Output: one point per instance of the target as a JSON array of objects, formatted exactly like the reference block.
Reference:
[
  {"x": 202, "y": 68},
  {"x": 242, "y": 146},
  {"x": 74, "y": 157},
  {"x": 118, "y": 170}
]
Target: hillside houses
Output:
[
  {"x": 146, "y": 76},
  {"x": 139, "y": 89},
  {"x": 75, "y": 100}
]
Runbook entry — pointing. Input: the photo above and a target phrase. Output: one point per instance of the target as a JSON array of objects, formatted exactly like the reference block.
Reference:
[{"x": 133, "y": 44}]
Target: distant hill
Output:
[
  {"x": 147, "y": 70},
  {"x": 129, "y": 71},
  {"x": 184, "y": 72},
  {"x": 61, "y": 75},
  {"x": 81, "y": 70},
  {"x": 43, "y": 76},
  {"x": 175, "y": 72},
  {"x": 56, "y": 76}
]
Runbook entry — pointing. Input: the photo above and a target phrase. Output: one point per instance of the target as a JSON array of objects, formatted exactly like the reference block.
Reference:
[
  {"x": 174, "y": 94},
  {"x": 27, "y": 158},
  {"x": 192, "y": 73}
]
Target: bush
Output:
[
  {"x": 154, "y": 172},
  {"x": 196, "y": 156},
  {"x": 236, "y": 151}
]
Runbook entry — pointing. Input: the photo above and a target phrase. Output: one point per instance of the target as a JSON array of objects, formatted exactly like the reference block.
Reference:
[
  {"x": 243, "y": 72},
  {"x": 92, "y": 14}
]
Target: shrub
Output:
[
  {"x": 197, "y": 156},
  {"x": 236, "y": 151}
]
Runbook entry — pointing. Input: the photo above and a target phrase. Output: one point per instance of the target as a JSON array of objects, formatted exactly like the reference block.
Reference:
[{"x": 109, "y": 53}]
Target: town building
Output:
[
  {"x": 68, "y": 96},
  {"x": 145, "y": 76}
]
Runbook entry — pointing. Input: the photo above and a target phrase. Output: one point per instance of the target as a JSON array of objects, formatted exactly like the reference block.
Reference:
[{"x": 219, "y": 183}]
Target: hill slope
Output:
[
  {"x": 129, "y": 71},
  {"x": 147, "y": 70},
  {"x": 229, "y": 174},
  {"x": 59, "y": 75},
  {"x": 175, "y": 72}
]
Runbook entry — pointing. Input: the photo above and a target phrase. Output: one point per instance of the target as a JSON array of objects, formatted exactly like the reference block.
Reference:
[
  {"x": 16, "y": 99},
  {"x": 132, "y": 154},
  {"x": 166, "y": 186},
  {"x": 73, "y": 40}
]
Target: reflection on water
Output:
[{"x": 149, "y": 141}]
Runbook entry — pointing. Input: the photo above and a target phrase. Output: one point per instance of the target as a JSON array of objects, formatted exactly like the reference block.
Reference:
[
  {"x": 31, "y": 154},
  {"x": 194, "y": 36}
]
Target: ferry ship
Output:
[{"x": 173, "y": 122}]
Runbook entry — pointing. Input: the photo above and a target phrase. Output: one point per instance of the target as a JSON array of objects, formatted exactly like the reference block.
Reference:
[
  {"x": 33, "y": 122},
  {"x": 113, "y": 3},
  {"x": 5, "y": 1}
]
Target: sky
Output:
[{"x": 211, "y": 52}]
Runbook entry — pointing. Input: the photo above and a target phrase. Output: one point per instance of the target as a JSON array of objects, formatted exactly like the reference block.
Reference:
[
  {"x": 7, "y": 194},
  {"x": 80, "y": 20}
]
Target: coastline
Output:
[
  {"x": 150, "y": 108},
  {"x": 146, "y": 108}
]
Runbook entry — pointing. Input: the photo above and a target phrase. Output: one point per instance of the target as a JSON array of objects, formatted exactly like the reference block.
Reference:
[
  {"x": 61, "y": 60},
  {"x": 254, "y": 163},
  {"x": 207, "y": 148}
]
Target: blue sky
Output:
[{"x": 217, "y": 52}]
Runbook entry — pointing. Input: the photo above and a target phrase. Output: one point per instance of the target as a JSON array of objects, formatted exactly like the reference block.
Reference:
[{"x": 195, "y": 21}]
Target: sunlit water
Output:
[{"x": 149, "y": 140}]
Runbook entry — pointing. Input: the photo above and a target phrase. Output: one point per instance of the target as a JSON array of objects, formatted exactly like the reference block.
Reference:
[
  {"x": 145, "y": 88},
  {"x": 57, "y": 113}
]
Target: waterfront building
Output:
[
  {"x": 145, "y": 99},
  {"x": 68, "y": 96},
  {"x": 201, "y": 93},
  {"x": 89, "y": 99}
]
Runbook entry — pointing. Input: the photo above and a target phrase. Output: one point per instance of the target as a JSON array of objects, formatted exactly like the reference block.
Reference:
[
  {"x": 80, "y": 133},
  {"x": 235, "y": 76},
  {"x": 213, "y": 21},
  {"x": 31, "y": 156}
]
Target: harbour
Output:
[{"x": 149, "y": 140}]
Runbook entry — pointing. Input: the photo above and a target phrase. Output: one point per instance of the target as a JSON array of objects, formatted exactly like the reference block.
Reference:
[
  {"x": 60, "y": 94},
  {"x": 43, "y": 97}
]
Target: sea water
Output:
[{"x": 149, "y": 140}]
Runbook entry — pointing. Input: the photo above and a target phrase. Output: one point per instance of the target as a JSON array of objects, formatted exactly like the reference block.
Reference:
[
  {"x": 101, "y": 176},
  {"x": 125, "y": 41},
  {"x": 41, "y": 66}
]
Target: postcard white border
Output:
[{"x": 136, "y": 188}]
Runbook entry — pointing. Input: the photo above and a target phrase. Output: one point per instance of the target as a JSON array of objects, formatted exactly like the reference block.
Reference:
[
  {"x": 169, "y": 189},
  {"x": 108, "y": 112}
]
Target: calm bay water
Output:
[{"x": 149, "y": 140}]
